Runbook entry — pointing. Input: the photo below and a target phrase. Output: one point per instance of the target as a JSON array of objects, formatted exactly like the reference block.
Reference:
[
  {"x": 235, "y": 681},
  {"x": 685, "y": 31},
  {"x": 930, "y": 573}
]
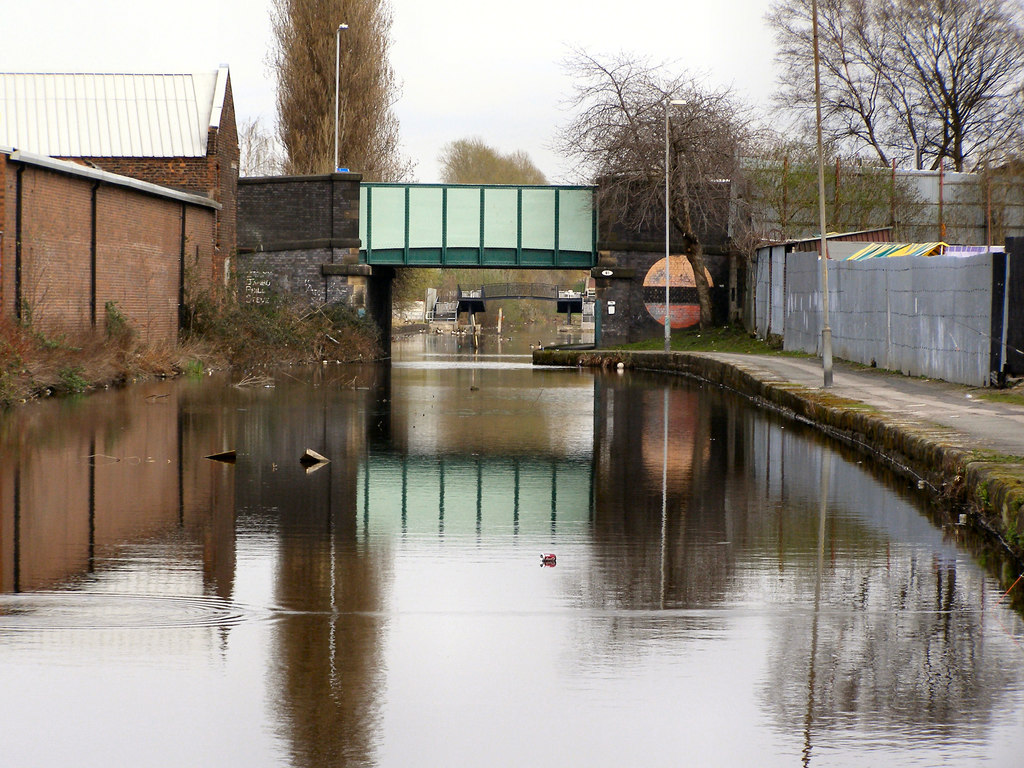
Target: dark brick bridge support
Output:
[
  {"x": 623, "y": 297},
  {"x": 298, "y": 237}
]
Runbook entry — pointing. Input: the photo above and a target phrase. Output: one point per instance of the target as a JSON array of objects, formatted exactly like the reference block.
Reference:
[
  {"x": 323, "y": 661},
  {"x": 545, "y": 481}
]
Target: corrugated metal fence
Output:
[{"x": 939, "y": 316}]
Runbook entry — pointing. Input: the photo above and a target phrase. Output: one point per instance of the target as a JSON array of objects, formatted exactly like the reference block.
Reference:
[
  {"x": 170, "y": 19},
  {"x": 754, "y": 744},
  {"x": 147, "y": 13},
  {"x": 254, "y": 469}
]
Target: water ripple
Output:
[{"x": 104, "y": 610}]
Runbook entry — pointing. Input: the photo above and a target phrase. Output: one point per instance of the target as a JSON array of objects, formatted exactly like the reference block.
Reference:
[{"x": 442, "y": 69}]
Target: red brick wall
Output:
[
  {"x": 223, "y": 155},
  {"x": 6, "y": 232},
  {"x": 7, "y": 241},
  {"x": 189, "y": 174},
  {"x": 56, "y": 227},
  {"x": 138, "y": 253},
  {"x": 3, "y": 221},
  {"x": 200, "y": 267}
]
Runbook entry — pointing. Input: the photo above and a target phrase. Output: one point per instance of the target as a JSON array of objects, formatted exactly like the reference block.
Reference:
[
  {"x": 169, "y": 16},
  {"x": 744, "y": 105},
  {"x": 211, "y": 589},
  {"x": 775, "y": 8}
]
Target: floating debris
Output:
[
  {"x": 252, "y": 380},
  {"x": 311, "y": 457},
  {"x": 228, "y": 457},
  {"x": 95, "y": 459}
]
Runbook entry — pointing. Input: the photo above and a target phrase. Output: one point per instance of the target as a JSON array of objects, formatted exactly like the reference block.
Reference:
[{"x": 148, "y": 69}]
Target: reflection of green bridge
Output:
[
  {"x": 482, "y": 225},
  {"x": 522, "y": 495}
]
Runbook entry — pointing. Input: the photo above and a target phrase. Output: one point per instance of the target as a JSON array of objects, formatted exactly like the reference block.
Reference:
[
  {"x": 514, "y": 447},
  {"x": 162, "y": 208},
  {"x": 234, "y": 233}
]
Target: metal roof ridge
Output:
[
  {"x": 76, "y": 169},
  {"x": 219, "y": 91}
]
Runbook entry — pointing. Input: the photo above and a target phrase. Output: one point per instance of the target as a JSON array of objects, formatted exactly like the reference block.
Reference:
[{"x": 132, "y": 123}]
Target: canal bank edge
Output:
[{"x": 987, "y": 486}]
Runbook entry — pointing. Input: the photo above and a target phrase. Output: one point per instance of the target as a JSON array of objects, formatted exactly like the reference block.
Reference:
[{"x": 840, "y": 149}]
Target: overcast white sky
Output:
[{"x": 468, "y": 68}]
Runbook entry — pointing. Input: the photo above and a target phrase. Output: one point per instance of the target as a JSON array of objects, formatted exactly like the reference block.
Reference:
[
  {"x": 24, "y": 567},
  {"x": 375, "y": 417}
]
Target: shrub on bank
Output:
[
  {"x": 34, "y": 364},
  {"x": 274, "y": 332},
  {"x": 217, "y": 333}
]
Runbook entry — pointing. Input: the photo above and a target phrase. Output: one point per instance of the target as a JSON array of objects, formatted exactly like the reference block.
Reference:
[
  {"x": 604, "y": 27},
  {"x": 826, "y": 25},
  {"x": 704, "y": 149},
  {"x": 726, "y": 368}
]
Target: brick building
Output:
[
  {"x": 175, "y": 130},
  {"x": 75, "y": 238}
]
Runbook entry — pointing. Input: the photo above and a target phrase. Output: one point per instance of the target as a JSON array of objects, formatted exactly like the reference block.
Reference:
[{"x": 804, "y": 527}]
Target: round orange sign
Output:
[{"x": 683, "y": 304}]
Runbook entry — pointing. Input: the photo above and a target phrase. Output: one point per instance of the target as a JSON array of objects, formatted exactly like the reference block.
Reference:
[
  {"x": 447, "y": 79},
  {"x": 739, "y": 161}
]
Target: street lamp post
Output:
[
  {"x": 337, "y": 87},
  {"x": 826, "y": 330},
  {"x": 668, "y": 220}
]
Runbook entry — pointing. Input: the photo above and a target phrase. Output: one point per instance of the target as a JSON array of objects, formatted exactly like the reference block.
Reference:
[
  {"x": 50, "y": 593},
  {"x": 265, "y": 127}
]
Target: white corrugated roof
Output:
[{"x": 93, "y": 115}]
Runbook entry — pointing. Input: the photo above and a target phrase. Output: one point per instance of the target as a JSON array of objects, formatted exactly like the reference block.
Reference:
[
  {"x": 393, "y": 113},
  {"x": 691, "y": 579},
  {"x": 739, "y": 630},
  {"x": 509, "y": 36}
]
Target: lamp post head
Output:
[{"x": 342, "y": 26}]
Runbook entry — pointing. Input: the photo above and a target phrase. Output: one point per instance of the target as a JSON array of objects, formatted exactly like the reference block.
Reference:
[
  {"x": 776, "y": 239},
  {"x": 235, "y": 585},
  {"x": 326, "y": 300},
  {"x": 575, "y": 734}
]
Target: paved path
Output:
[{"x": 983, "y": 423}]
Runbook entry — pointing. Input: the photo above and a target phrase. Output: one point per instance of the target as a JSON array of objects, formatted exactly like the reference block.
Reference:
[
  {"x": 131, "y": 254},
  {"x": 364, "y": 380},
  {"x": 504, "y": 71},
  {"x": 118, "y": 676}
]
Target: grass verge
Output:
[{"x": 724, "y": 339}]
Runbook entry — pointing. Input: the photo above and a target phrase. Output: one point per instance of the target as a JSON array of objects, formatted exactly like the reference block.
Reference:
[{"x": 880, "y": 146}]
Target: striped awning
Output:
[{"x": 885, "y": 250}]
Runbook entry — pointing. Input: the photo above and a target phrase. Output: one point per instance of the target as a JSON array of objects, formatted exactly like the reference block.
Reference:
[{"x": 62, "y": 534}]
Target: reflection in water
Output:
[
  {"x": 327, "y": 667},
  {"x": 388, "y": 608},
  {"x": 121, "y": 470},
  {"x": 826, "y": 468}
]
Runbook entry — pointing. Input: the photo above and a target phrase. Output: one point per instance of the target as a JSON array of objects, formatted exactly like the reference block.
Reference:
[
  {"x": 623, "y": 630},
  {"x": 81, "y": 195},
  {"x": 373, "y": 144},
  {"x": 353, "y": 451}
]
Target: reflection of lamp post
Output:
[
  {"x": 337, "y": 86},
  {"x": 664, "y": 491},
  {"x": 668, "y": 209},
  {"x": 826, "y": 331},
  {"x": 826, "y": 471}
]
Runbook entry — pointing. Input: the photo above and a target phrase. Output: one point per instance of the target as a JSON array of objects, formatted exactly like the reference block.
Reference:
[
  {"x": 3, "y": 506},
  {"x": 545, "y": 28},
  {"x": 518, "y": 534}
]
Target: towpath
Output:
[{"x": 980, "y": 423}]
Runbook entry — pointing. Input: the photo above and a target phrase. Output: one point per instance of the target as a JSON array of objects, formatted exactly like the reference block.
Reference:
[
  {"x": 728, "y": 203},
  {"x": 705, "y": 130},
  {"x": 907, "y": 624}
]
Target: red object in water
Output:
[{"x": 547, "y": 559}]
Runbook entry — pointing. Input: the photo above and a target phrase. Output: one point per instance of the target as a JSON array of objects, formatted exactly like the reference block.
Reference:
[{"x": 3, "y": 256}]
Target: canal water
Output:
[{"x": 727, "y": 588}]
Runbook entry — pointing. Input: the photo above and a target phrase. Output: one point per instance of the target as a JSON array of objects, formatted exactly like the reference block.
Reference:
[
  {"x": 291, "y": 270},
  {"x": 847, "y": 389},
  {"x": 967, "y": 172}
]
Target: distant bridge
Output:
[
  {"x": 474, "y": 300},
  {"x": 477, "y": 225}
]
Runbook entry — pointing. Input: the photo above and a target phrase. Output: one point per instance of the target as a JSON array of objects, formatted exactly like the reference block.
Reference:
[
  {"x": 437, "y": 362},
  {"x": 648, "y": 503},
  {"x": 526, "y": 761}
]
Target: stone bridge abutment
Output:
[{"x": 298, "y": 236}]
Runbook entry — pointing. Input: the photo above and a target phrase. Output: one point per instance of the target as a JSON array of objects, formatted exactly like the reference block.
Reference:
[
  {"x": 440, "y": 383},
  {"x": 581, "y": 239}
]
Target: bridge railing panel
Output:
[
  {"x": 545, "y": 291},
  {"x": 426, "y": 219},
  {"x": 463, "y": 217},
  {"x": 387, "y": 217},
  {"x": 575, "y": 219},
  {"x": 501, "y": 218},
  {"x": 477, "y": 225},
  {"x": 539, "y": 219}
]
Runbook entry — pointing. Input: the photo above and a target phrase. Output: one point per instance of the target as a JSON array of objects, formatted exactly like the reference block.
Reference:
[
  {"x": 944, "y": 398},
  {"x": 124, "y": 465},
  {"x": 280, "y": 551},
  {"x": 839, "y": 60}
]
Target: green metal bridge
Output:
[{"x": 477, "y": 225}]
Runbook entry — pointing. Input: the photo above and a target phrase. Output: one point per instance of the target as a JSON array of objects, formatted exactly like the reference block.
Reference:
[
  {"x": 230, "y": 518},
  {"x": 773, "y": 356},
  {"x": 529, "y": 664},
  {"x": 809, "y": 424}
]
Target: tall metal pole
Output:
[
  {"x": 826, "y": 331},
  {"x": 668, "y": 206},
  {"x": 337, "y": 87},
  {"x": 668, "y": 211}
]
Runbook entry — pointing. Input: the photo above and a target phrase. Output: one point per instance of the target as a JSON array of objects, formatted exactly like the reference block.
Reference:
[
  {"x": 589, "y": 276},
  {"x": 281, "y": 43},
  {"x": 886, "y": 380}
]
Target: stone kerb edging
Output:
[{"x": 990, "y": 488}]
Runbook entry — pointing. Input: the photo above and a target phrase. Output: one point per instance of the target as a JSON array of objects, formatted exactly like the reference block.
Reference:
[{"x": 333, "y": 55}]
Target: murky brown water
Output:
[{"x": 390, "y": 608}]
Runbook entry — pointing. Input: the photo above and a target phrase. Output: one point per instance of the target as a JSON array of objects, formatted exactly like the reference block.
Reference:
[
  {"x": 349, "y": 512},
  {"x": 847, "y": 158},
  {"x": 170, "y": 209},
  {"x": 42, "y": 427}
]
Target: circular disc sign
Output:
[{"x": 683, "y": 304}]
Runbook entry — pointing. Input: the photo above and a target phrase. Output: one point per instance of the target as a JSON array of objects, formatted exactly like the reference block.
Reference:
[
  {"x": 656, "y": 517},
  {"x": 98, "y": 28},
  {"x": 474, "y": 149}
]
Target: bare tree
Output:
[
  {"x": 781, "y": 189},
  {"x": 471, "y": 161},
  {"x": 917, "y": 81},
  {"x": 258, "y": 151},
  {"x": 617, "y": 138},
  {"x": 303, "y": 59}
]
